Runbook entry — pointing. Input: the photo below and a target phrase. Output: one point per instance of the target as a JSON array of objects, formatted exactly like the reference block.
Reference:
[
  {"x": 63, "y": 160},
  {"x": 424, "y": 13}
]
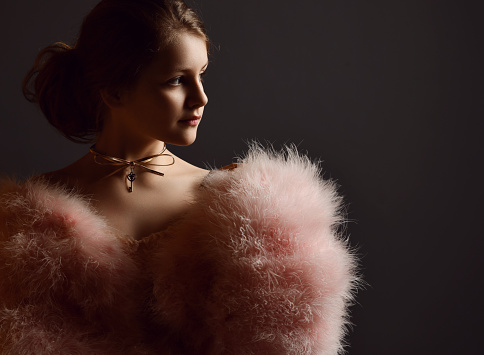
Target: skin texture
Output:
[{"x": 138, "y": 123}]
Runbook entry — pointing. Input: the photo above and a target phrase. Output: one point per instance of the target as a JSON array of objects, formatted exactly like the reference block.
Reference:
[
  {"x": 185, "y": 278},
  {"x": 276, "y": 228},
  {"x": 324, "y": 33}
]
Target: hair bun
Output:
[{"x": 55, "y": 83}]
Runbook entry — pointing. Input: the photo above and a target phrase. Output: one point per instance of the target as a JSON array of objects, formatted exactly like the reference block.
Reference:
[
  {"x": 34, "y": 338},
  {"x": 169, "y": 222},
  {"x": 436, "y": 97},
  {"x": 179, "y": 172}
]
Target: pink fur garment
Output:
[{"x": 256, "y": 266}]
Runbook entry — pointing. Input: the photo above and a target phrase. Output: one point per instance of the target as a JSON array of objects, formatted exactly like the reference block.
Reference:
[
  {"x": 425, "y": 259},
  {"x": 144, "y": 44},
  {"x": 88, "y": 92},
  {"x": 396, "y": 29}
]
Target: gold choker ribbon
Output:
[{"x": 123, "y": 164}]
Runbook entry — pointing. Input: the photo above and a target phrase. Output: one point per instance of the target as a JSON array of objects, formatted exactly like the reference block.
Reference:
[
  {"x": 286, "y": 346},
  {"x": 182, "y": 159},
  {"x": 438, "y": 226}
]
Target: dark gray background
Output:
[{"x": 389, "y": 94}]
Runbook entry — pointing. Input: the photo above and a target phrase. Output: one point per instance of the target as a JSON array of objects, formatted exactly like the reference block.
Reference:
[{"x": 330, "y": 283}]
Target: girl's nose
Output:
[{"x": 197, "y": 97}]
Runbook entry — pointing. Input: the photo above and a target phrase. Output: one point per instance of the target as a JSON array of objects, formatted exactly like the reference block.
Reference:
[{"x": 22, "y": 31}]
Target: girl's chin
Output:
[{"x": 182, "y": 142}]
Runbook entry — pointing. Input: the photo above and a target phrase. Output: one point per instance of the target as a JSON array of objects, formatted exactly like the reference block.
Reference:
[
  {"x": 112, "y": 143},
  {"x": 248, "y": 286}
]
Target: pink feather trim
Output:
[{"x": 256, "y": 266}]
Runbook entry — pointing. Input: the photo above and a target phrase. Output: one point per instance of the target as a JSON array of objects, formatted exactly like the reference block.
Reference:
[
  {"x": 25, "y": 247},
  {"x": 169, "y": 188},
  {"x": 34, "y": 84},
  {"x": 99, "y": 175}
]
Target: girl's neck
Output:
[{"x": 127, "y": 148}]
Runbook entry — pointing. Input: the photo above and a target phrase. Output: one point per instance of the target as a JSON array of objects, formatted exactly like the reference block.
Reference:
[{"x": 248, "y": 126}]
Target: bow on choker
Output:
[{"x": 123, "y": 164}]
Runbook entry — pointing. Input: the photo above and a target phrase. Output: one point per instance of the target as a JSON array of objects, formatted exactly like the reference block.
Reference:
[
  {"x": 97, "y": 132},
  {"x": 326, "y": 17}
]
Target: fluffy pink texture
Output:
[
  {"x": 59, "y": 259},
  {"x": 257, "y": 267},
  {"x": 36, "y": 329}
]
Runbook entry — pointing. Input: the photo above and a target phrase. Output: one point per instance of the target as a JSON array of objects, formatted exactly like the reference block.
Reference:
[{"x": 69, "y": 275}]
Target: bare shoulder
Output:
[
  {"x": 55, "y": 177},
  {"x": 68, "y": 176},
  {"x": 185, "y": 170}
]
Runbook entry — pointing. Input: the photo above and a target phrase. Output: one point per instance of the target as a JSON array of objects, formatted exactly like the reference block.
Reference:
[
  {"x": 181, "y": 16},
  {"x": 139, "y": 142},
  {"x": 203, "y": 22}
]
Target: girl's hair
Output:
[{"x": 118, "y": 38}]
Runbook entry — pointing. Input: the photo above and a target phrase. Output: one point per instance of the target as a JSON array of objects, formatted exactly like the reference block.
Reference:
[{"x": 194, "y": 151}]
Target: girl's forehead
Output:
[{"x": 185, "y": 52}]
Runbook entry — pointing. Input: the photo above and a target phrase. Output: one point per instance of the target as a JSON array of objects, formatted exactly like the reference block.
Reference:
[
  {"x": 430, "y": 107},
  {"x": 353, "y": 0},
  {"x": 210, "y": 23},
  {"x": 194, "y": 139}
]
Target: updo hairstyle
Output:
[{"x": 118, "y": 38}]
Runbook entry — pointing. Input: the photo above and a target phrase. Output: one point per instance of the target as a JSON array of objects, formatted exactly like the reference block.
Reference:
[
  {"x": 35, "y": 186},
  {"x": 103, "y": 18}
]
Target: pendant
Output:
[{"x": 131, "y": 177}]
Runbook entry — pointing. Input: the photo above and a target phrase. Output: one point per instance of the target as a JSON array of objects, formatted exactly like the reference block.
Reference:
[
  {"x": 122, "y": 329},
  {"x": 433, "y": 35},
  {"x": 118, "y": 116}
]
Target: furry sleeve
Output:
[
  {"x": 257, "y": 266},
  {"x": 63, "y": 275}
]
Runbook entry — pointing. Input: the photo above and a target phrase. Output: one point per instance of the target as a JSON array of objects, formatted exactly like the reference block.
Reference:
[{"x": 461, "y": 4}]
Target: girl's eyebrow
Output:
[{"x": 184, "y": 70}]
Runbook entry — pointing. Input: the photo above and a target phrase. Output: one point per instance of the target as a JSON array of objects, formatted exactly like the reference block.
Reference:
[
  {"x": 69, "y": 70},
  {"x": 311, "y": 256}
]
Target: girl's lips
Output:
[{"x": 191, "y": 121}]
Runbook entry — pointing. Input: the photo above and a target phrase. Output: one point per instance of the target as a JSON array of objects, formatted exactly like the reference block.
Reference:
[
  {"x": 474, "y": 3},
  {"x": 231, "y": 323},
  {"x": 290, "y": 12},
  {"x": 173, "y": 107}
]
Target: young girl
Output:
[{"x": 131, "y": 250}]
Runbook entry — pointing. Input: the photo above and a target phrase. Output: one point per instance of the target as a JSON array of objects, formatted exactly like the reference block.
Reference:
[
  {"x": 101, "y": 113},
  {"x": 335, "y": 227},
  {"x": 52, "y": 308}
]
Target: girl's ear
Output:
[{"x": 111, "y": 99}]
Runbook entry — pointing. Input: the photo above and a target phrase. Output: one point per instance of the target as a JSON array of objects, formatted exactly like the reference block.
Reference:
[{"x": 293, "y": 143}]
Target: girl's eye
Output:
[
  {"x": 175, "y": 81},
  {"x": 179, "y": 80}
]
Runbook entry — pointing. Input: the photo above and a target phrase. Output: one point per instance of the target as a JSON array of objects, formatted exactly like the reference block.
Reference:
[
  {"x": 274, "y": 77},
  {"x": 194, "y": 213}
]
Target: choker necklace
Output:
[{"x": 123, "y": 164}]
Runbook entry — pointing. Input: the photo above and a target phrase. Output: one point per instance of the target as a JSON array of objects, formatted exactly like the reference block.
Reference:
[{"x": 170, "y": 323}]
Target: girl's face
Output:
[{"x": 167, "y": 102}]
